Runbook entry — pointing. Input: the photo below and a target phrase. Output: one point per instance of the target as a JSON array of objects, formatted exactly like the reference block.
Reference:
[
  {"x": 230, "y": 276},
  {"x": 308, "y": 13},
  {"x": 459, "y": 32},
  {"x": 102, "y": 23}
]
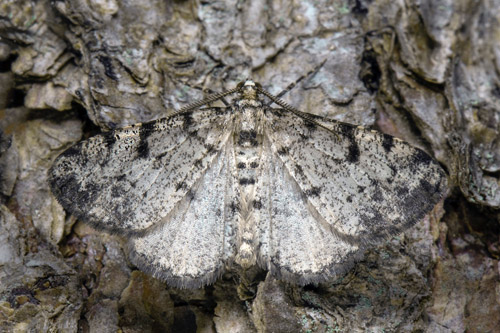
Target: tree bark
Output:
[{"x": 425, "y": 71}]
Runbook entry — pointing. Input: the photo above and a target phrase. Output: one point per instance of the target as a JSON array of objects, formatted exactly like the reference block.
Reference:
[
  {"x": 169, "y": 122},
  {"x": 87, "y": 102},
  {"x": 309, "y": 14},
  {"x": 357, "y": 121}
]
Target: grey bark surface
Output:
[{"x": 425, "y": 71}]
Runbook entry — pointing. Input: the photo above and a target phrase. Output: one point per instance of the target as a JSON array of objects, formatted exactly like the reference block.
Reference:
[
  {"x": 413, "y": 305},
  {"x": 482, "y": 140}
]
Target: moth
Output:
[{"x": 246, "y": 184}]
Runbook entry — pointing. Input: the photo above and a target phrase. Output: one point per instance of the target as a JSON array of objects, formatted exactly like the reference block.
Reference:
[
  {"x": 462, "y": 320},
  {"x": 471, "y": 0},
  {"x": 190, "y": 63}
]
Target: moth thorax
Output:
[{"x": 249, "y": 102}]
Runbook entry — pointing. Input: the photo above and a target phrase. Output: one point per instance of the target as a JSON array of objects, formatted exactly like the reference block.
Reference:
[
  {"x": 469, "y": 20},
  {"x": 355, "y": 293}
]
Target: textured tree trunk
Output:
[{"x": 425, "y": 71}]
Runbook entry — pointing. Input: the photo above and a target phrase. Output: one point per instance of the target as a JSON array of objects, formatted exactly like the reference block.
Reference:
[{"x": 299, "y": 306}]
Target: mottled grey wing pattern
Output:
[
  {"x": 294, "y": 241},
  {"x": 314, "y": 195},
  {"x": 129, "y": 179},
  {"x": 190, "y": 246},
  {"x": 366, "y": 186}
]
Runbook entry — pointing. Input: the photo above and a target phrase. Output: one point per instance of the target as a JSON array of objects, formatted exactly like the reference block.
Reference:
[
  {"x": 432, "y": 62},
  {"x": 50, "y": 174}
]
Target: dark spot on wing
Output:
[
  {"x": 241, "y": 165},
  {"x": 121, "y": 177},
  {"x": 247, "y": 181},
  {"x": 304, "y": 137},
  {"x": 191, "y": 195},
  {"x": 73, "y": 151},
  {"x": 310, "y": 125},
  {"x": 420, "y": 157},
  {"x": 353, "y": 153},
  {"x": 157, "y": 164},
  {"x": 121, "y": 212},
  {"x": 63, "y": 186},
  {"x": 90, "y": 193},
  {"x": 283, "y": 151},
  {"x": 372, "y": 218},
  {"x": 109, "y": 140},
  {"x": 145, "y": 132},
  {"x": 180, "y": 185},
  {"x": 198, "y": 163},
  {"x": 387, "y": 142},
  {"x": 394, "y": 170},
  {"x": 377, "y": 195},
  {"x": 276, "y": 111},
  {"x": 117, "y": 191},
  {"x": 254, "y": 165},
  {"x": 313, "y": 191},
  {"x": 234, "y": 207},
  {"x": 349, "y": 199},
  {"x": 143, "y": 149},
  {"x": 210, "y": 149},
  {"x": 257, "y": 204},
  {"x": 348, "y": 131},
  {"x": 401, "y": 192},
  {"x": 188, "y": 120},
  {"x": 426, "y": 186},
  {"x": 70, "y": 191},
  {"x": 413, "y": 203},
  {"x": 361, "y": 189},
  {"x": 194, "y": 134},
  {"x": 299, "y": 170},
  {"x": 162, "y": 155},
  {"x": 353, "y": 149}
]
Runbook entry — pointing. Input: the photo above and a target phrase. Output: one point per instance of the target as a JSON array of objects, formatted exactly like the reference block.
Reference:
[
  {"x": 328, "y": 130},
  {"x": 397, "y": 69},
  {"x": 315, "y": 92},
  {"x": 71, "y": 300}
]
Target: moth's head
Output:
[{"x": 249, "y": 89}]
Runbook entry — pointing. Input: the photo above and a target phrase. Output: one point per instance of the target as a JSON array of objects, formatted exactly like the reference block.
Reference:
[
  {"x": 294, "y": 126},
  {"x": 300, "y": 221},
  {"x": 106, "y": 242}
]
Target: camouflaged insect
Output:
[{"x": 297, "y": 194}]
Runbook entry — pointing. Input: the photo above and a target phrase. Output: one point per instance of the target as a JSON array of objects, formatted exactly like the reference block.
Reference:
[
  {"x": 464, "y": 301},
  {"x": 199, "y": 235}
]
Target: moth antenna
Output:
[
  {"x": 289, "y": 108},
  {"x": 207, "y": 100},
  {"x": 293, "y": 84}
]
